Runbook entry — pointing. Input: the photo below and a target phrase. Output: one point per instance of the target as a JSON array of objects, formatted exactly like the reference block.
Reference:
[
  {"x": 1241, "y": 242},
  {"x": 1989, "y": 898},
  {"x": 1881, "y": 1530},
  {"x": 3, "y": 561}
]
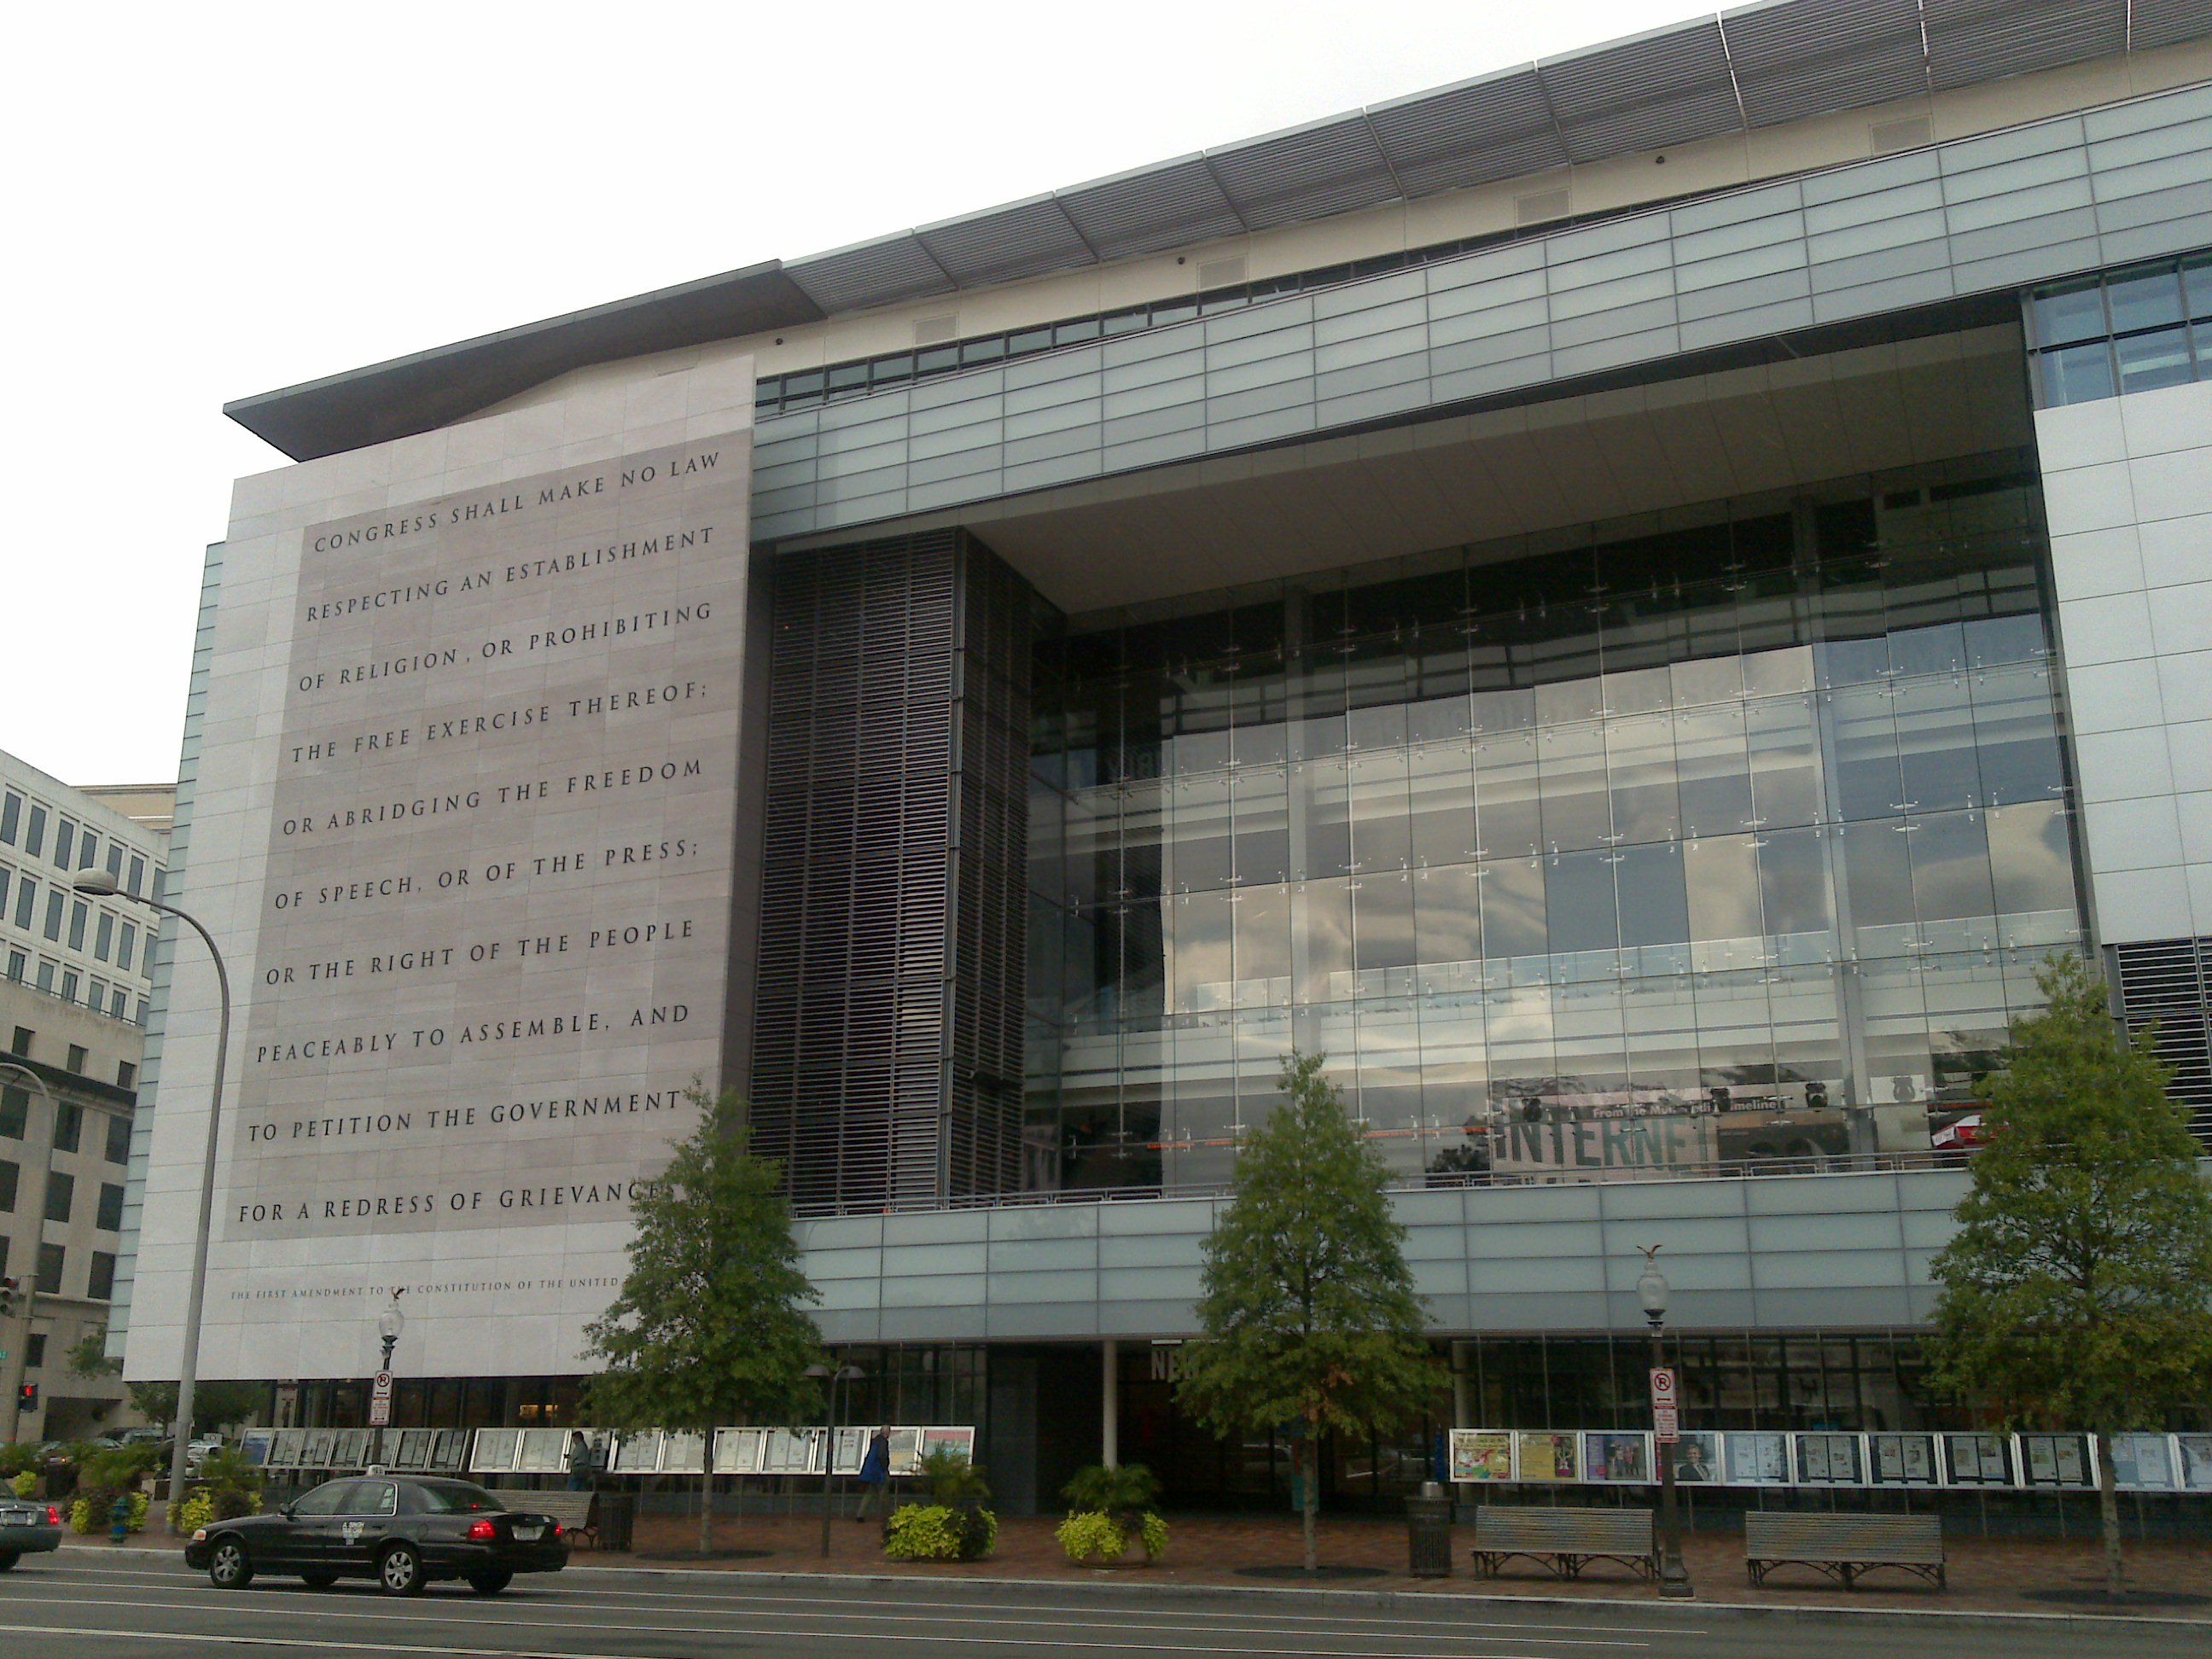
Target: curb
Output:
[{"x": 1396, "y": 1600}]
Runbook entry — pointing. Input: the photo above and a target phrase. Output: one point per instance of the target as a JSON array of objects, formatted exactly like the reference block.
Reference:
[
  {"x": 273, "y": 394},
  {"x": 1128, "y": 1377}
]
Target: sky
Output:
[{"x": 221, "y": 199}]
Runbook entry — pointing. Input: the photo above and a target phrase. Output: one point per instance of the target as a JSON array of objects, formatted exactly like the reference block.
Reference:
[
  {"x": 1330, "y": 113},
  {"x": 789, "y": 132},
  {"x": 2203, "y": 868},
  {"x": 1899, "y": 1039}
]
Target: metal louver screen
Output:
[
  {"x": 887, "y": 1025},
  {"x": 2170, "y": 981}
]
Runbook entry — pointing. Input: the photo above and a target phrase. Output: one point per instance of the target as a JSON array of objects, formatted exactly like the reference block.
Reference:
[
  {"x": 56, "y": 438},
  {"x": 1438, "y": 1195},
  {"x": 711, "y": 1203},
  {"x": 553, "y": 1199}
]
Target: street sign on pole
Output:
[
  {"x": 1666, "y": 1413},
  {"x": 379, "y": 1401}
]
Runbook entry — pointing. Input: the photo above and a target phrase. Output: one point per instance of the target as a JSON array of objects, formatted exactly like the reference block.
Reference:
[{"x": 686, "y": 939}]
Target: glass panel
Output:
[
  {"x": 1513, "y": 924},
  {"x": 1448, "y": 924},
  {"x": 2147, "y": 299},
  {"x": 1441, "y": 777},
  {"x": 1785, "y": 761},
  {"x": 2148, "y": 362},
  {"x": 1640, "y": 763},
  {"x": 1715, "y": 765},
  {"x": 1721, "y": 875},
  {"x": 2073, "y": 312},
  {"x": 2032, "y": 865},
  {"x": 1505, "y": 795},
  {"x": 1935, "y": 746},
  {"x": 1878, "y": 886},
  {"x": 1573, "y": 761},
  {"x": 1951, "y": 881},
  {"x": 2079, "y": 374}
]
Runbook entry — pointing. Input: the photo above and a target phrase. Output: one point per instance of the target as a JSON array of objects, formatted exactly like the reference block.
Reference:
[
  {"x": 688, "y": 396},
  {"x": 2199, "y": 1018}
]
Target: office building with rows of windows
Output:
[
  {"x": 1631, "y": 602},
  {"x": 75, "y": 976}
]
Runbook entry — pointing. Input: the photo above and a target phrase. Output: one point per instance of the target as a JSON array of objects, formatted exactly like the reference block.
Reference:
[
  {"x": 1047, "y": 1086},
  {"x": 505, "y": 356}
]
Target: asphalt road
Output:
[{"x": 73, "y": 1605}]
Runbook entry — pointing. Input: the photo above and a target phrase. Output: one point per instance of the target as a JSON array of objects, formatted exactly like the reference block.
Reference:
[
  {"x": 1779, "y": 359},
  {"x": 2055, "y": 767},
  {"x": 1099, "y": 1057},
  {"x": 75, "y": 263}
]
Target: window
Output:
[
  {"x": 80, "y": 915},
  {"x": 61, "y": 1195},
  {"x": 2128, "y": 330},
  {"x": 7, "y": 877},
  {"x": 126, "y": 1074},
  {"x": 27, "y": 901},
  {"x": 11, "y": 813},
  {"x": 126, "y": 947},
  {"x": 137, "y": 876},
  {"x": 116, "y": 999},
  {"x": 87, "y": 851},
  {"x": 454, "y": 1498},
  {"x": 11, "y": 1176},
  {"x": 103, "y": 937},
  {"x": 96, "y": 994},
  {"x": 55, "y": 904},
  {"x": 17, "y": 963},
  {"x": 34, "y": 832},
  {"x": 371, "y": 1497},
  {"x": 325, "y": 1499},
  {"x": 118, "y": 1140},
  {"x": 47, "y": 970},
  {"x": 15, "y": 1111},
  {"x": 76, "y": 1057},
  {"x": 34, "y": 1351},
  {"x": 52, "y": 1261},
  {"x": 20, "y": 1044},
  {"x": 115, "y": 860},
  {"x": 64, "y": 842},
  {"x": 100, "y": 1287},
  {"x": 111, "y": 1208},
  {"x": 69, "y": 1127},
  {"x": 69, "y": 985}
]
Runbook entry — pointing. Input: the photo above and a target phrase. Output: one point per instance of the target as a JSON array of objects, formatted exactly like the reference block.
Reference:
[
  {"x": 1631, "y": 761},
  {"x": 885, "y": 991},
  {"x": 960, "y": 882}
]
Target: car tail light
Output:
[
  {"x": 483, "y": 1532},
  {"x": 54, "y": 1516},
  {"x": 557, "y": 1533}
]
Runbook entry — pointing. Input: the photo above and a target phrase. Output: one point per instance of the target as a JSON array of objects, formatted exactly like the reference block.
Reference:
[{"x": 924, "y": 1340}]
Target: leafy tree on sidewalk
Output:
[
  {"x": 213, "y": 1403},
  {"x": 1307, "y": 1306},
  {"x": 2078, "y": 1288},
  {"x": 710, "y": 1327}
]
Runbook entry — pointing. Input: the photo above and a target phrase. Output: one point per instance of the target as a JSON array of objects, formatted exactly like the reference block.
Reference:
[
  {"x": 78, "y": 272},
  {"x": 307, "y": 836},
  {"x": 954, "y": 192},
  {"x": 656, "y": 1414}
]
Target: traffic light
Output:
[
  {"x": 26, "y": 1397},
  {"x": 6, "y": 1298}
]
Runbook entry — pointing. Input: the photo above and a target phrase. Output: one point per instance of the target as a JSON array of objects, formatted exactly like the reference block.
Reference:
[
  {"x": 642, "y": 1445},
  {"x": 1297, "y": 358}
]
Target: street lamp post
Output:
[
  {"x": 389, "y": 1324},
  {"x": 842, "y": 1374},
  {"x": 15, "y": 1368},
  {"x": 1652, "y": 1290},
  {"x": 100, "y": 883}
]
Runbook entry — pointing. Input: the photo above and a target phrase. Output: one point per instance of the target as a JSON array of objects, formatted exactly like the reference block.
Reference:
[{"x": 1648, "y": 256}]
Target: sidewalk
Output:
[{"x": 1987, "y": 1576}]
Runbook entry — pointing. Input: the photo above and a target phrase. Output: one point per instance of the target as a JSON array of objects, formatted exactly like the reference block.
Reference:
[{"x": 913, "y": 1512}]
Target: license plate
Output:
[
  {"x": 529, "y": 1535},
  {"x": 19, "y": 1517}
]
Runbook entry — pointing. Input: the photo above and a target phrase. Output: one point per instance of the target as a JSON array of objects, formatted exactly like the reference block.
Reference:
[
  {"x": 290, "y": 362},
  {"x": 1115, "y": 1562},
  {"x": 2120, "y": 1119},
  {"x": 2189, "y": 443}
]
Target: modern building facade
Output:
[
  {"x": 1630, "y": 602},
  {"x": 75, "y": 977}
]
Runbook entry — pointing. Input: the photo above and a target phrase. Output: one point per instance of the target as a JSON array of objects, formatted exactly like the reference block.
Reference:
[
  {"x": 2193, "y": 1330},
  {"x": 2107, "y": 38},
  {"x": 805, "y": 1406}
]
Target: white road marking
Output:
[
  {"x": 548, "y": 1591},
  {"x": 241, "y": 1603}
]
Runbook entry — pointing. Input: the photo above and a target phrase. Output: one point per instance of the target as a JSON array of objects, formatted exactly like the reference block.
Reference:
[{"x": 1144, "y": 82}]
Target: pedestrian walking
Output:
[
  {"x": 875, "y": 1473},
  {"x": 579, "y": 1462}
]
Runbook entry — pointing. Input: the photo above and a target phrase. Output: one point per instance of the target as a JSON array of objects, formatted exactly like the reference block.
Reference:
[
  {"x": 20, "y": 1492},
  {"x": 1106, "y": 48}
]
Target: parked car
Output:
[
  {"x": 26, "y": 1528},
  {"x": 406, "y": 1532}
]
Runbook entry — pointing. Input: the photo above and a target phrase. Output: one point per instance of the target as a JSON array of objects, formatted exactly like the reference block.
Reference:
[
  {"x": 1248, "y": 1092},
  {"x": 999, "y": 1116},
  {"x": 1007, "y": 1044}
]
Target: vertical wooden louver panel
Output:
[{"x": 887, "y": 1058}]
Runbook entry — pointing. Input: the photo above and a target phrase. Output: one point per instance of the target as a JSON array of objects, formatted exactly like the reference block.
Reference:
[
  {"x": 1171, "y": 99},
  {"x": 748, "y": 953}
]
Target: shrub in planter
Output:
[
  {"x": 195, "y": 1512},
  {"x": 24, "y": 1483},
  {"x": 1111, "y": 1509},
  {"x": 231, "y": 1483},
  {"x": 938, "y": 1532}
]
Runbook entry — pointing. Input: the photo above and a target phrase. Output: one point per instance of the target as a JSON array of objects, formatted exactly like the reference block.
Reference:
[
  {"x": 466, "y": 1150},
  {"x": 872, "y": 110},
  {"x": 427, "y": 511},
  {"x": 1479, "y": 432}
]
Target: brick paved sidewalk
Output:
[{"x": 1986, "y": 1575}]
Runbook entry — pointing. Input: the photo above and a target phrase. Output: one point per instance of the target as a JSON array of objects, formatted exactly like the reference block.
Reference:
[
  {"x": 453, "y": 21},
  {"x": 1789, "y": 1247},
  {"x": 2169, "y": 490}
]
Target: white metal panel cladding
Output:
[
  {"x": 1978, "y": 215},
  {"x": 1774, "y": 1253}
]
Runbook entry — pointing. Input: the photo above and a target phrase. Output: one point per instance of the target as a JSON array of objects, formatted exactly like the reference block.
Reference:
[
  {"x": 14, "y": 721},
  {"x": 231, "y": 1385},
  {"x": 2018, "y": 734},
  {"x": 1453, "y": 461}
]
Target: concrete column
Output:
[{"x": 1109, "y": 1405}]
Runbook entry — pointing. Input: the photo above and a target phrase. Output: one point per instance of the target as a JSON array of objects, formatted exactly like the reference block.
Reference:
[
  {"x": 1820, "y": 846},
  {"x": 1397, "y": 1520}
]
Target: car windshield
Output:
[{"x": 454, "y": 1498}]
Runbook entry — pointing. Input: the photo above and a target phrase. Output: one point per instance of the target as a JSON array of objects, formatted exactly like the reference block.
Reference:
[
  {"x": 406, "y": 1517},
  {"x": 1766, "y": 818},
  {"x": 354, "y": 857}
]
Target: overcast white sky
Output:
[{"x": 215, "y": 200}]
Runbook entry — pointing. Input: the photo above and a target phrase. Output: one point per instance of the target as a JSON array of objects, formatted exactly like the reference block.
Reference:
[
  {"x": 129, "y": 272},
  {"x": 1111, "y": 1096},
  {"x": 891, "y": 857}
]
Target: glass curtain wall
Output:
[{"x": 1735, "y": 832}]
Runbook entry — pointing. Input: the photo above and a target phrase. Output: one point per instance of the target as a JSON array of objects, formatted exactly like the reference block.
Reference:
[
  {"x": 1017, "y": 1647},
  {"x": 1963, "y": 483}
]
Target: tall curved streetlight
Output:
[
  {"x": 37, "y": 1195},
  {"x": 99, "y": 885},
  {"x": 1653, "y": 1291}
]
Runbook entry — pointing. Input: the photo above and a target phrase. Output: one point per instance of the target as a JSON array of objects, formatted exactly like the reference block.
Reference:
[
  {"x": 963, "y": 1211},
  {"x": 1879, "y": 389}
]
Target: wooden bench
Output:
[
  {"x": 1843, "y": 1546},
  {"x": 1566, "y": 1539},
  {"x": 572, "y": 1509}
]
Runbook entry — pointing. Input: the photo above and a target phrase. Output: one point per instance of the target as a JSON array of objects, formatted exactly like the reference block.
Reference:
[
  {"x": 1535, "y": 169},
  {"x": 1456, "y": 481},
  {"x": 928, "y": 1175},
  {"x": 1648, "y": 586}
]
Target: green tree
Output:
[
  {"x": 213, "y": 1403},
  {"x": 1306, "y": 1305},
  {"x": 2077, "y": 1292},
  {"x": 710, "y": 1327}
]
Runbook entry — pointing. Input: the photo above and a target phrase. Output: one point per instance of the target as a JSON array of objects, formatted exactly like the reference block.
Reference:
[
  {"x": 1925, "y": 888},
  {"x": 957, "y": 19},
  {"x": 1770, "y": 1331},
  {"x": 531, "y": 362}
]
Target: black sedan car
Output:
[
  {"x": 26, "y": 1527},
  {"x": 404, "y": 1531}
]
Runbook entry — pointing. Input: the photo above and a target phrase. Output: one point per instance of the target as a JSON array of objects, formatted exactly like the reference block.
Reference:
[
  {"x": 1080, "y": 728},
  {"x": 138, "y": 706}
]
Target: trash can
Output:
[
  {"x": 1428, "y": 1533},
  {"x": 617, "y": 1520}
]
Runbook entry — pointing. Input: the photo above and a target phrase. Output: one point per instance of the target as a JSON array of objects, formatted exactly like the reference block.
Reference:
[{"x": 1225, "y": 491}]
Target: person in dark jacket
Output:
[{"x": 875, "y": 1473}]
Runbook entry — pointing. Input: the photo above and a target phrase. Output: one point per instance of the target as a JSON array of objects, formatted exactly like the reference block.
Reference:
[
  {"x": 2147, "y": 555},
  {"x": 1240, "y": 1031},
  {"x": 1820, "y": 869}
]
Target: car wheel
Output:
[
  {"x": 319, "y": 1580},
  {"x": 229, "y": 1567},
  {"x": 490, "y": 1583},
  {"x": 8, "y": 1558},
  {"x": 399, "y": 1570}
]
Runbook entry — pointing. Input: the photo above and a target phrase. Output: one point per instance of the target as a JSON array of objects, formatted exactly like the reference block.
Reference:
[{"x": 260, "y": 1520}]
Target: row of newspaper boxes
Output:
[
  {"x": 547, "y": 1451},
  {"x": 2057, "y": 1462}
]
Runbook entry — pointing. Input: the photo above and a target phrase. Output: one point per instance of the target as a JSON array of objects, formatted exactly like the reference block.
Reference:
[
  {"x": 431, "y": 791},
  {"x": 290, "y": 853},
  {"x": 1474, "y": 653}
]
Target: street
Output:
[{"x": 73, "y": 1606}]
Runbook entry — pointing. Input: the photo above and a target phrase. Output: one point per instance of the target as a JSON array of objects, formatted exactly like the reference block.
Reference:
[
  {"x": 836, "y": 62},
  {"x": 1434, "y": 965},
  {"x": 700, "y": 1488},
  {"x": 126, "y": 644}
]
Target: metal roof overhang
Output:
[{"x": 1757, "y": 66}]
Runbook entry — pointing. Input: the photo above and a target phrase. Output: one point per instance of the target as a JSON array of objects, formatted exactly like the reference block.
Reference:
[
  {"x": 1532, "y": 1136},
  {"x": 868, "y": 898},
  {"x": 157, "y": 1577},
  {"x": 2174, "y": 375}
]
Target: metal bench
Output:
[
  {"x": 1844, "y": 1545},
  {"x": 1567, "y": 1539},
  {"x": 572, "y": 1509}
]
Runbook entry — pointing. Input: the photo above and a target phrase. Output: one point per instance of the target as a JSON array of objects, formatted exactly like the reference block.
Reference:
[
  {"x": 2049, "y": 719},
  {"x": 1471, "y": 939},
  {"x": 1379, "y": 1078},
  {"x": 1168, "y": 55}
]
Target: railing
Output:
[
  {"x": 1713, "y": 1169},
  {"x": 131, "y": 1000}
]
